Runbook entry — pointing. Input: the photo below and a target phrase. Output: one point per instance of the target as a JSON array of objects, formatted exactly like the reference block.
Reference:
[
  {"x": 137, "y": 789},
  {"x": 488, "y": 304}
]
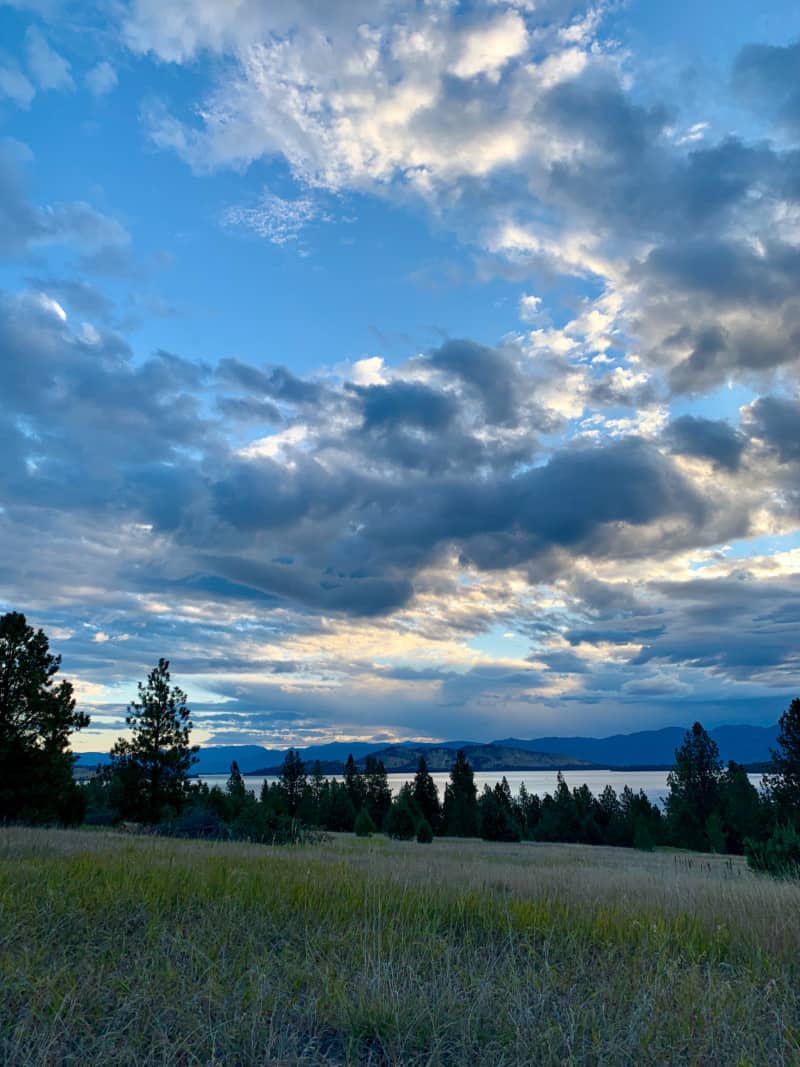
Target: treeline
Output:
[{"x": 709, "y": 807}]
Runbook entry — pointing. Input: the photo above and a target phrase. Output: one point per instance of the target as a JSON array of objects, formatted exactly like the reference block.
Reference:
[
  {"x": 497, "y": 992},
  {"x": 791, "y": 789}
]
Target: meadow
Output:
[{"x": 120, "y": 949}]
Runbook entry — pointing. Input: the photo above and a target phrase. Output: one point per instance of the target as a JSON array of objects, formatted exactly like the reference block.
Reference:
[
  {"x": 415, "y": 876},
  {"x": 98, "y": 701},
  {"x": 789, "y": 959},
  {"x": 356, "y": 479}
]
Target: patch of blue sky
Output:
[{"x": 501, "y": 642}]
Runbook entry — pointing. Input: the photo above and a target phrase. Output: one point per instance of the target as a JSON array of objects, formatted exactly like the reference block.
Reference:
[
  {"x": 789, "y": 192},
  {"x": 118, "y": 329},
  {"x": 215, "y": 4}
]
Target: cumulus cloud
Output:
[
  {"x": 101, "y": 78},
  {"x": 49, "y": 69},
  {"x": 318, "y": 546}
]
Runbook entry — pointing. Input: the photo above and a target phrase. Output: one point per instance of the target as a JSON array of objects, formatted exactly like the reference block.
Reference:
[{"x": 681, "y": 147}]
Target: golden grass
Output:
[{"x": 120, "y": 950}]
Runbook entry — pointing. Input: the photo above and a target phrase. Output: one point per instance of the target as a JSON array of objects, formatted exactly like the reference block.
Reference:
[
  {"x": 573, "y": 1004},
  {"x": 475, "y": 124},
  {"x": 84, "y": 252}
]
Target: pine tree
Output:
[
  {"x": 742, "y": 810},
  {"x": 236, "y": 790},
  {"x": 782, "y": 780},
  {"x": 403, "y": 817},
  {"x": 37, "y": 719},
  {"x": 153, "y": 766},
  {"x": 694, "y": 789},
  {"x": 378, "y": 795},
  {"x": 354, "y": 784},
  {"x": 461, "y": 799},
  {"x": 293, "y": 781},
  {"x": 427, "y": 795},
  {"x": 364, "y": 826}
]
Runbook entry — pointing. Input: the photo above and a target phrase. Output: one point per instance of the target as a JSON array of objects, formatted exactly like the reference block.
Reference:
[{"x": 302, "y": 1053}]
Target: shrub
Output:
[
  {"x": 424, "y": 832},
  {"x": 778, "y": 855},
  {"x": 364, "y": 826}
]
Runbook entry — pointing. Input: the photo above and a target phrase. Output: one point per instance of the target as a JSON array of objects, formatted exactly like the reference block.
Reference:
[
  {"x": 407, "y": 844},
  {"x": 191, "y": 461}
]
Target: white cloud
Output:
[
  {"x": 275, "y": 219},
  {"x": 47, "y": 303},
  {"x": 489, "y": 47},
  {"x": 49, "y": 69},
  {"x": 101, "y": 78},
  {"x": 530, "y": 308},
  {"x": 15, "y": 86},
  {"x": 356, "y": 96}
]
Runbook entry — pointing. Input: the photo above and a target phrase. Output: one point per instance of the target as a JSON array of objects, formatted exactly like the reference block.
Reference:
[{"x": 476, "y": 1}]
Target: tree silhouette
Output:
[
  {"x": 694, "y": 789},
  {"x": 293, "y": 781},
  {"x": 378, "y": 795},
  {"x": 427, "y": 795},
  {"x": 461, "y": 799},
  {"x": 37, "y": 719},
  {"x": 154, "y": 764},
  {"x": 783, "y": 777}
]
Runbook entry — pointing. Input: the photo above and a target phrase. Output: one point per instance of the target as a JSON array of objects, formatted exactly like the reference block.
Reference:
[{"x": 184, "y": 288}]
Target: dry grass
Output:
[{"x": 116, "y": 950}]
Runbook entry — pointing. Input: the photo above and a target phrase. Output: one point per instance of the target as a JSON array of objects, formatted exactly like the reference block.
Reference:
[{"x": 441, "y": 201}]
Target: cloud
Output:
[
  {"x": 776, "y": 421},
  {"x": 14, "y": 84},
  {"x": 275, "y": 219},
  {"x": 25, "y": 226},
  {"x": 101, "y": 78},
  {"x": 693, "y": 435},
  {"x": 766, "y": 75},
  {"x": 49, "y": 69}
]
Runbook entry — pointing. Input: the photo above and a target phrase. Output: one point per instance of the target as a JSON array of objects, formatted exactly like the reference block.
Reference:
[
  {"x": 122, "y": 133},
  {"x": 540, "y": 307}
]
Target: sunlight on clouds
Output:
[{"x": 488, "y": 48}]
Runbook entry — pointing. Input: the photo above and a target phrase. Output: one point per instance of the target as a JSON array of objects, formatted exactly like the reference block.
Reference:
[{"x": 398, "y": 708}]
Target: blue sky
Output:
[{"x": 404, "y": 370}]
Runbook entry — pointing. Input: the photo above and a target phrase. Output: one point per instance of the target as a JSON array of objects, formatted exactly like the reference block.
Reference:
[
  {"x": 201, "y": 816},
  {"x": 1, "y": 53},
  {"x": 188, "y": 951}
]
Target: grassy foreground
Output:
[{"x": 120, "y": 950}]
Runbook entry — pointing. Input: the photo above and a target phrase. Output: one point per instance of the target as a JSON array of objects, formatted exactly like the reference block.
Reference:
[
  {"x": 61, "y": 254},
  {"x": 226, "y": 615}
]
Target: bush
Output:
[
  {"x": 401, "y": 821},
  {"x": 424, "y": 832},
  {"x": 364, "y": 826},
  {"x": 779, "y": 855}
]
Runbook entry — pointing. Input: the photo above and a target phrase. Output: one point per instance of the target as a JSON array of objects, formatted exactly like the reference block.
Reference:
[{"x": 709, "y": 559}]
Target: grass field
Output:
[{"x": 120, "y": 950}]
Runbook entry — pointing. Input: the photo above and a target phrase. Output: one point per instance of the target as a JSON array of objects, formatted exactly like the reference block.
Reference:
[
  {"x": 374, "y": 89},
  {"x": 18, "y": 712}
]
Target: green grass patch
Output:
[{"x": 140, "y": 951}]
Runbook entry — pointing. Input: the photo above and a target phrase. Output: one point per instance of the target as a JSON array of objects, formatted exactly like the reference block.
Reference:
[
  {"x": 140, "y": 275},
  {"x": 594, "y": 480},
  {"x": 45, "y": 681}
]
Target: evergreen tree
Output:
[
  {"x": 236, "y": 790},
  {"x": 496, "y": 816},
  {"x": 559, "y": 821},
  {"x": 337, "y": 813},
  {"x": 426, "y": 795},
  {"x": 404, "y": 816},
  {"x": 609, "y": 816},
  {"x": 292, "y": 782},
  {"x": 364, "y": 826},
  {"x": 154, "y": 764},
  {"x": 741, "y": 809},
  {"x": 461, "y": 800},
  {"x": 424, "y": 832},
  {"x": 37, "y": 719},
  {"x": 782, "y": 781},
  {"x": 694, "y": 789},
  {"x": 354, "y": 784},
  {"x": 377, "y": 794},
  {"x": 317, "y": 786}
]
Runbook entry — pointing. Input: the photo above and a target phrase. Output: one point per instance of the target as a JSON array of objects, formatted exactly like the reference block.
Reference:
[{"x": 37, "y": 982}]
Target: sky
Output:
[{"x": 404, "y": 369}]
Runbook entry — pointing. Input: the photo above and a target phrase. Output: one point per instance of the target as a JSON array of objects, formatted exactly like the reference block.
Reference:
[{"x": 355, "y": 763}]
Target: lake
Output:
[{"x": 654, "y": 783}]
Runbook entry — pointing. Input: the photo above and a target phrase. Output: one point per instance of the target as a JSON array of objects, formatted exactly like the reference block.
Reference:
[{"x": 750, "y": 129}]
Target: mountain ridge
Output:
[{"x": 645, "y": 748}]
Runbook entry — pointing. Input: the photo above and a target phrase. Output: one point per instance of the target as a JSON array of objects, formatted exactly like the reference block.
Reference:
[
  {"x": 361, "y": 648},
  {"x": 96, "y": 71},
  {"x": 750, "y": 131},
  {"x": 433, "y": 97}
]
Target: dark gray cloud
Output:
[
  {"x": 491, "y": 374},
  {"x": 712, "y": 439},
  {"x": 776, "y": 420},
  {"x": 406, "y": 403},
  {"x": 276, "y": 382}
]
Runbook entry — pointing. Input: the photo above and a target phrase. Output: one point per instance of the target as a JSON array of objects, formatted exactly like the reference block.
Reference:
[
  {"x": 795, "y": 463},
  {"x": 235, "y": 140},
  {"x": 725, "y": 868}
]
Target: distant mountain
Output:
[
  {"x": 397, "y": 759},
  {"x": 648, "y": 748},
  {"x": 254, "y": 759},
  {"x": 743, "y": 743}
]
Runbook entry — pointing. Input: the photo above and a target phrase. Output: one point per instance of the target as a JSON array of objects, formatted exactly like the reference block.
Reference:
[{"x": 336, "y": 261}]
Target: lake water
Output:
[{"x": 654, "y": 783}]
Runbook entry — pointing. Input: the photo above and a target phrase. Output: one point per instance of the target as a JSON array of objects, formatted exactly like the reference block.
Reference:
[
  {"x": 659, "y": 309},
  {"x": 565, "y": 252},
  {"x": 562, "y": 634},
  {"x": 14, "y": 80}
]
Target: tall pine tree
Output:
[
  {"x": 427, "y": 795},
  {"x": 37, "y": 720},
  {"x": 783, "y": 777},
  {"x": 694, "y": 789},
  {"x": 153, "y": 765},
  {"x": 461, "y": 799}
]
